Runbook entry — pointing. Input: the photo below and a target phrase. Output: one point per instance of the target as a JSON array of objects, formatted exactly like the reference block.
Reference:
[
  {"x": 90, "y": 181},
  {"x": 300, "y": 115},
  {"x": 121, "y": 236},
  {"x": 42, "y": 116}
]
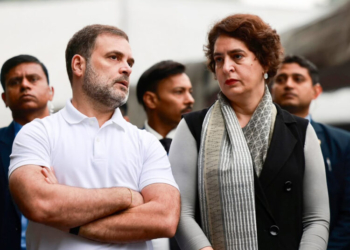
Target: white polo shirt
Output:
[{"x": 84, "y": 155}]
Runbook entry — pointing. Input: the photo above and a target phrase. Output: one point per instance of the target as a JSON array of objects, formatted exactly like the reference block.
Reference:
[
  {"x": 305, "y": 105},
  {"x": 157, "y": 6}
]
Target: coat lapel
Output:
[
  {"x": 6, "y": 140},
  {"x": 321, "y": 137},
  {"x": 281, "y": 147}
]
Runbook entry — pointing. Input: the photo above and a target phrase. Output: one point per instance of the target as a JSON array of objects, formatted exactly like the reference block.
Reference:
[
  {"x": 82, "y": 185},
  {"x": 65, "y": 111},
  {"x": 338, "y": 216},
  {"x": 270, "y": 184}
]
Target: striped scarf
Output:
[{"x": 227, "y": 158}]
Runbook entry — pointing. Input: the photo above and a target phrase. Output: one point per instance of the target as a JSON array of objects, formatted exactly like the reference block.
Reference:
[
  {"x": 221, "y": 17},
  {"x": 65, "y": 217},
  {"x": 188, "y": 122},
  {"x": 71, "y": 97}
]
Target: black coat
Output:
[
  {"x": 10, "y": 216},
  {"x": 279, "y": 189}
]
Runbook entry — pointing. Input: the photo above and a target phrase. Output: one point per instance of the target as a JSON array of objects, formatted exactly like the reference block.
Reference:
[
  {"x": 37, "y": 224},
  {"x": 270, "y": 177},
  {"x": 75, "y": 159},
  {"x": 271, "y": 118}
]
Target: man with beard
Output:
[
  {"x": 25, "y": 81},
  {"x": 295, "y": 86},
  {"x": 165, "y": 92},
  {"x": 112, "y": 186}
]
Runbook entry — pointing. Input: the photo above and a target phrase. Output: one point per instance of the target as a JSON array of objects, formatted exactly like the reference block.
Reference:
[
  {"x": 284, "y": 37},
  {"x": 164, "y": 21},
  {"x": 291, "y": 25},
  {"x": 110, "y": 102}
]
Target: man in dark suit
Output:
[
  {"x": 26, "y": 87},
  {"x": 165, "y": 92},
  {"x": 295, "y": 86}
]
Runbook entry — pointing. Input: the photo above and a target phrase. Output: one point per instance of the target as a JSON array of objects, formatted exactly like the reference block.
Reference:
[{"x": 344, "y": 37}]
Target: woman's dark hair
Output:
[{"x": 257, "y": 35}]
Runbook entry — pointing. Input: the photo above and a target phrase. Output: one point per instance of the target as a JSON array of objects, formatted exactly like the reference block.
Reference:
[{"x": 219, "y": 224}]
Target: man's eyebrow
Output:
[
  {"x": 32, "y": 75},
  {"x": 115, "y": 52},
  {"x": 19, "y": 77},
  {"x": 14, "y": 78},
  {"x": 297, "y": 74},
  {"x": 281, "y": 74},
  {"x": 131, "y": 61}
]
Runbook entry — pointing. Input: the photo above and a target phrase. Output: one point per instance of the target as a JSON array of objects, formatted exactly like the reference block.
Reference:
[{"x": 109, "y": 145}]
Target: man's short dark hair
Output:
[
  {"x": 83, "y": 42},
  {"x": 304, "y": 63},
  {"x": 150, "y": 79},
  {"x": 17, "y": 60}
]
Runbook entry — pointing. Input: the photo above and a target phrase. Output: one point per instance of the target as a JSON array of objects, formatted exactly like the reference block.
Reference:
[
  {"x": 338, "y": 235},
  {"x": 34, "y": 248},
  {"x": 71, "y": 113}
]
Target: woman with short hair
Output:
[{"x": 251, "y": 175}]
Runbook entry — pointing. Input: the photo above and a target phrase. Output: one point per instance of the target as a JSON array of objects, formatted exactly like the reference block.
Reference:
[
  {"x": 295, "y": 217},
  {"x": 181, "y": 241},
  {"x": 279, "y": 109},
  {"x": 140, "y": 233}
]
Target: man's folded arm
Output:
[
  {"x": 158, "y": 217},
  {"x": 63, "y": 206}
]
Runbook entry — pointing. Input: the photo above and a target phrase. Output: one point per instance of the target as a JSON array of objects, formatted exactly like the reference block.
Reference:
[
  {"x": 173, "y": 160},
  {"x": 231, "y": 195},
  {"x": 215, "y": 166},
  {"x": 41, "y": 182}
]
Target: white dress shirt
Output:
[{"x": 170, "y": 135}]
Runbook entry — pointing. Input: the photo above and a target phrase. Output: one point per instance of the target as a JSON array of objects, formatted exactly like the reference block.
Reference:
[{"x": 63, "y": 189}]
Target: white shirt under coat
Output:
[{"x": 170, "y": 135}]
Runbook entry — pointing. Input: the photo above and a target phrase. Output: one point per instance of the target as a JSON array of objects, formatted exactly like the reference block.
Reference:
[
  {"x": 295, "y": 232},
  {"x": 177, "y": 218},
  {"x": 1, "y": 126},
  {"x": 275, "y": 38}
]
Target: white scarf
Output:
[{"x": 227, "y": 158}]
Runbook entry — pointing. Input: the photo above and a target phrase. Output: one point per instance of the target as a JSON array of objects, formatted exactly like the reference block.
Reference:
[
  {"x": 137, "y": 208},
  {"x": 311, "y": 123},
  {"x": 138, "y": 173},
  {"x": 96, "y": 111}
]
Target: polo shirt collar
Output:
[
  {"x": 71, "y": 114},
  {"x": 74, "y": 116},
  {"x": 118, "y": 119}
]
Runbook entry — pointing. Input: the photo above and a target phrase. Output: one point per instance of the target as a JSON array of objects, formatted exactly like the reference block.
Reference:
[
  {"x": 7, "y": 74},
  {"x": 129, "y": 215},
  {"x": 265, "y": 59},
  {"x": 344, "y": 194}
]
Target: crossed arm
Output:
[{"x": 105, "y": 214}]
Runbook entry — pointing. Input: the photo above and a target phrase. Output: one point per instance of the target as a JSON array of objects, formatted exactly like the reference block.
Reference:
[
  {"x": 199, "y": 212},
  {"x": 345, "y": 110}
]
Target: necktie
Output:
[{"x": 166, "y": 144}]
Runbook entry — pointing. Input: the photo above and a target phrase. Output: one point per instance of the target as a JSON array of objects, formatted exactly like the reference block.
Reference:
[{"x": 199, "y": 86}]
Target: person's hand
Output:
[
  {"x": 207, "y": 248},
  {"x": 137, "y": 199},
  {"x": 49, "y": 174}
]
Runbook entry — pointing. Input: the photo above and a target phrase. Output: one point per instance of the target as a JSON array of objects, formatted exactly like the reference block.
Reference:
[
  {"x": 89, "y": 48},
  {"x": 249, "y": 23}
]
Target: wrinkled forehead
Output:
[{"x": 107, "y": 42}]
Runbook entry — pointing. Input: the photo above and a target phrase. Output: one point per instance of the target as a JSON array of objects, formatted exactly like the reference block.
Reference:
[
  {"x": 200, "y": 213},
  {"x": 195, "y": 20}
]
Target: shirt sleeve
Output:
[
  {"x": 316, "y": 204},
  {"x": 155, "y": 167},
  {"x": 30, "y": 147},
  {"x": 183, "y": 158}
]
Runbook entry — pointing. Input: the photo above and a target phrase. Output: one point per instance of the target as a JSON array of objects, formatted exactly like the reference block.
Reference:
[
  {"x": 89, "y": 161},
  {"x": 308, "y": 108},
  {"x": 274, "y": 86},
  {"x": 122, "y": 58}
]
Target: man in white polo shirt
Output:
[{"x": 114, "y": 186}]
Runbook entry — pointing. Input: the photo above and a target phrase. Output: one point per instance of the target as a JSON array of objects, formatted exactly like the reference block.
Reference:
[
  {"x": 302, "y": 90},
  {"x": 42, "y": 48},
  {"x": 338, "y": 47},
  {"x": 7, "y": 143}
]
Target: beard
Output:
[{"x": 101, "y": 89}]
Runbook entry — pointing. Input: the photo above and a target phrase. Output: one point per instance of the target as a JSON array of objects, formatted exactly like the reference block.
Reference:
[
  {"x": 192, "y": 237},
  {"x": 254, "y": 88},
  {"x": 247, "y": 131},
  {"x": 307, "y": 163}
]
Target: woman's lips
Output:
[{"x": 231, "y": 81}]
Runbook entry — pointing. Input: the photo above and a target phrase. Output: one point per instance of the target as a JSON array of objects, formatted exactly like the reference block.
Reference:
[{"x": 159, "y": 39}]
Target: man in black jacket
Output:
[
  {"x": 25, "y": 81},
  {"x": 165, "y": 92},
  {"x": 294, "y": 87}
]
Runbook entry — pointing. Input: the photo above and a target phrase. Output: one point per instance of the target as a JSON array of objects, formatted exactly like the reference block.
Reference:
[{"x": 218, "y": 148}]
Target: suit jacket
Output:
[
  {"x": 279, "y": 189},
  {"x": 10, "y": 216},
  {"x": 335, "y": 146}
]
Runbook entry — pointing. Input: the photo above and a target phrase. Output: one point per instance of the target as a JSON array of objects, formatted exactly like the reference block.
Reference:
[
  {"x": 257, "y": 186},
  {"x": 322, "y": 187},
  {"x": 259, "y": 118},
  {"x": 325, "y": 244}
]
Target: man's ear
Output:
[
  {"x": 52, "y": 93},
  {"x": 78, "y": 65},
  {"x": 317, "y": 90},
  {"x": 3, "y": 96},
  {"x": 150, "y": 100}
]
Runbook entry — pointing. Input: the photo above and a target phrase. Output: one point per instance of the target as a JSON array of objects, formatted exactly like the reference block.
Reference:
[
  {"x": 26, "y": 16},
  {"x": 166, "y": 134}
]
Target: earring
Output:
[{"x": 266, "y": 75}]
